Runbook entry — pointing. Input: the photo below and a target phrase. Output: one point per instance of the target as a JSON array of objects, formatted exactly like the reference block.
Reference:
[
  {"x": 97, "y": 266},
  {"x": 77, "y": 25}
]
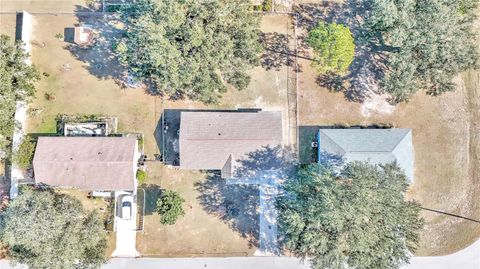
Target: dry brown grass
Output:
[
  {"x": 77, "y": 90},
  {"x": 7, "y": 25},
  {"x": 198, "y": 233},
  {"x": 41, "y": 5}
]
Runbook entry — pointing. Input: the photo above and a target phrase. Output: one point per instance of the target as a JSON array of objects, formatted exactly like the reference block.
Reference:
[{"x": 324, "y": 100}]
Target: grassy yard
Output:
[
  {"x": 7, "y": 24},
  {"x": 445, "y": 131},
  {"x": 76, "y": 89},
  {"x": 42, "y": 5},
  {"x": 81, "y": 81},
  {"x": 442, "y": 137},
  {"x": 198, "y": 233}
]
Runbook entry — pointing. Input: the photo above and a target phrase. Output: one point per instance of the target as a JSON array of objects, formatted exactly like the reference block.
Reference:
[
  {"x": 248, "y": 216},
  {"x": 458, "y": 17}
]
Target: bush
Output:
[
  {"x": 169, "y": 206},
  {"x": 267, "y": 5},
  {"x": 90, "y": 3},
  {"x": 113, "y": 8},
  {"x": 141, "y": 142},
  {"x": 141, "y": 176},
  {"x": 333, "y": 46},
  {"x": 59, "y": 36},
  {"x": 23, "y": 157},
  {"x": 257, "y": 7},
  {"x": 50, "y": 96}
]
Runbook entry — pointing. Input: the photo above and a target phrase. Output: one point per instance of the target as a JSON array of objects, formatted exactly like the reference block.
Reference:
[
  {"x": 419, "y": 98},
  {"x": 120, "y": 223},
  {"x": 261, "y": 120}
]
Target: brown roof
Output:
[
  {"x": 90, "y": 163},
  {"x": 209, "y": 139}
]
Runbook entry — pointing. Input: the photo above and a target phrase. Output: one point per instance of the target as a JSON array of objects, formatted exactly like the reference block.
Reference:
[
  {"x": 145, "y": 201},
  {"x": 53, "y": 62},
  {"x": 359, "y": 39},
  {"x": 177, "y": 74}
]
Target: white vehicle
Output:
[{"x": 127, "y": 202}]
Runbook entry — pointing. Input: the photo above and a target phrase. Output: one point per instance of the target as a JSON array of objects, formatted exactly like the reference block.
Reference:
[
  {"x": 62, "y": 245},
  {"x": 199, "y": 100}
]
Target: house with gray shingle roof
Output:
[
  {"x": 211, "y": 140},
  {"x": 376, "y": 146}
]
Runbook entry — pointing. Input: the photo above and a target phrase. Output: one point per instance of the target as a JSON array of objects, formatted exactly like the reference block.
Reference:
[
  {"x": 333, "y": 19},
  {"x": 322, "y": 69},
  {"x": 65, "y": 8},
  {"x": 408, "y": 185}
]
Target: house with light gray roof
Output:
[{"x": 376, "y": 146}]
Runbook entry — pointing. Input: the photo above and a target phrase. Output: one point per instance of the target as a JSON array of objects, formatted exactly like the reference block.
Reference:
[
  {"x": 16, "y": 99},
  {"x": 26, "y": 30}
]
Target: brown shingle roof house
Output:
[
  {"x": 217, "y": 140},
  {"x": 88, "y": 163}
]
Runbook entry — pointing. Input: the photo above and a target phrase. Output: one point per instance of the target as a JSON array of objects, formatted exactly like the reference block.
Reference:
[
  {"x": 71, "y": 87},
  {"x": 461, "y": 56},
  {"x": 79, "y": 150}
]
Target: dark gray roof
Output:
[
  {"x": 371, "y": 145},
  {"x": 208, "y": 140}
]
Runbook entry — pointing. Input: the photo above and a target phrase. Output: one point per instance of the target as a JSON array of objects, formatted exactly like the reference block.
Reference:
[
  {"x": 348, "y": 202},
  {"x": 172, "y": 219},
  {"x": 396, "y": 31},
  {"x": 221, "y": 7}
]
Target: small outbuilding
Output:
[
  {"x": 83, "y": 35},
  {"x": 376, "y": 146},
  {"x": 87, "y": 163}
]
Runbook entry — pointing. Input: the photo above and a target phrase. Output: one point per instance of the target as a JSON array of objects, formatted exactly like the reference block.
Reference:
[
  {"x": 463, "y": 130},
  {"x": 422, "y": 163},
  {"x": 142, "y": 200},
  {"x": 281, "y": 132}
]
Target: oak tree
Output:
[{"x": 354, "y": 218}]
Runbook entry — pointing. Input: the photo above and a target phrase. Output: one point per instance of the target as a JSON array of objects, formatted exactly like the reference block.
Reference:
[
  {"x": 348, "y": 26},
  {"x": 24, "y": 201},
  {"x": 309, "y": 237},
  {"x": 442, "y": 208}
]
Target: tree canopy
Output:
[
  {"x": 16, "y": 84},
  {"x": 191, "y": 48},
  {"x": 354, "y": 218},
  {"x": 23, "y": 157},
  {"x": 169, "y": 206},
  {"x": 333, "y": 46},
  {"x": 47, "y": 230},
  {"x": 426, "y": 43}
]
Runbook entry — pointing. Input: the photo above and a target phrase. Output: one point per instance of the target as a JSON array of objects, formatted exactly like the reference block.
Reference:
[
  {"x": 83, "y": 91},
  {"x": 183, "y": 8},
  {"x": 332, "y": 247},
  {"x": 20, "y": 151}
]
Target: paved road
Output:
[
  {"x": 209, "y": 263},
  {"x": 468, "y": 258}
]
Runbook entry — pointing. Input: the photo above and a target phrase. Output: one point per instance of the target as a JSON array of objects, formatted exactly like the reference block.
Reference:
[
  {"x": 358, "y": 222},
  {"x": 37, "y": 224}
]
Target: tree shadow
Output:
[
  {"x": 246, "y": 202},
  {"x": 235, "y": 205},
  {"x": 99, "y": 57},
  {"x": 277, "y": 52},
  {"x": 368, "y": 65},
  {"x": 152, "y": 193},
  {"x": 267, "y": 163}
]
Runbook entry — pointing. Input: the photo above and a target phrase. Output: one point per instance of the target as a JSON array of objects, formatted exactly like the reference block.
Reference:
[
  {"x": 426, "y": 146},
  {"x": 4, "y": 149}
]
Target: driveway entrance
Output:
[{"x": 126, "y": 227}]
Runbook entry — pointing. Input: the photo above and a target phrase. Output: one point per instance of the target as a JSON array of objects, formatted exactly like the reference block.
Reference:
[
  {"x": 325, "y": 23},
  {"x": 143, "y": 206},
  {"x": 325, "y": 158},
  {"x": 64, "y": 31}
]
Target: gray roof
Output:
[
  {"x": 378, "y": 146},
  {"x": 215, "y": 140},
  {"x": 89, "y": 163}
]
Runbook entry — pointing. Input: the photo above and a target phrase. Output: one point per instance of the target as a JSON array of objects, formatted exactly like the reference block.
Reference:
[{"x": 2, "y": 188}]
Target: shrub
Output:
[
  {"x": 113, "y": 8},
  {"x": 333, "y": 46},
  {"x": 50, "y": 96},
  {"x": 141, "y": 176},
  {"x": 90, "y": 3},
  {"x": 59, "y": 36},
  {"x": 169, "y": 206},
  {"x": 257, "y": 7},
  {"x": 141, "y": 142},
  {"x": 23, "y": 157},
  {"x": 267, "y": 5}
]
